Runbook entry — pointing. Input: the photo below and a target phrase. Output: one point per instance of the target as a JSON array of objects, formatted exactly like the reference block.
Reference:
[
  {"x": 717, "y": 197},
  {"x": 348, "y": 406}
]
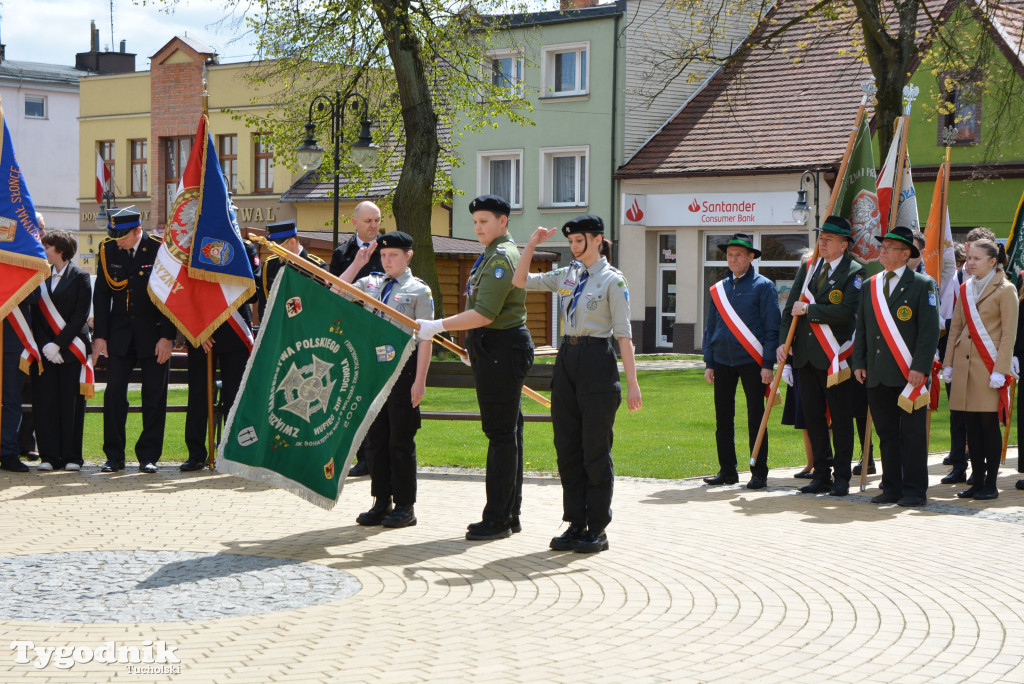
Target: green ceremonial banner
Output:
[
  {"x": 1015, "y": 245},
  {"x": 321, "y": 370},
  {"x": 857, "y": 200}
]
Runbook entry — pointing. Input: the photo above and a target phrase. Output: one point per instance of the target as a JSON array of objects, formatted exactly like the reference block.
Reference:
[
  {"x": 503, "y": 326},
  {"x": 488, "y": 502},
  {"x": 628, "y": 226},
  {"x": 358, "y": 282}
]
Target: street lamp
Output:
[
  {"x": 310, "y": 155},
  {"x": 103, "y": 217},
  {"x": 802, "y": 211}
]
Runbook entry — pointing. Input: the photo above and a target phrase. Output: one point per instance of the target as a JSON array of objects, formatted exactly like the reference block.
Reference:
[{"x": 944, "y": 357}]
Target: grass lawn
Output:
[{"x": 673, "y": 436}]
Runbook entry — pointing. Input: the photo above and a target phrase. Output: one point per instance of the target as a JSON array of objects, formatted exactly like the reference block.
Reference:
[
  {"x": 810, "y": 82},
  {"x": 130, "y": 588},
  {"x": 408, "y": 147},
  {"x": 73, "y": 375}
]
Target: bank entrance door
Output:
[{"x": 666, "y": 288}]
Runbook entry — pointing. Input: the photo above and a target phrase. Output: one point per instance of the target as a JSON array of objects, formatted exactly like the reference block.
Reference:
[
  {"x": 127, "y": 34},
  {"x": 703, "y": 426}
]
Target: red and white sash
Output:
[
  {"x": 911, "y": 397},
  {"x": 56, "y": 322},
  {"x": 242, "y": 328},
  {"x": 983, "y": 343},
  {"x": 740, "y": 330},
  {"x": 24, "y": 332},
  {"x": 838, "y": 355}
]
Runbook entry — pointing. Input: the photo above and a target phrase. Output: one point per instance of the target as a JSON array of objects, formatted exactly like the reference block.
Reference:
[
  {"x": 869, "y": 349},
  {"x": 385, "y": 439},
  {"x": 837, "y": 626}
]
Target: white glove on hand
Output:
[
  {"x": 429, "y": 328},
  {"x": 1015, "y": 368},
  {"x": 787, "y": 374},
  {"x": 947, "y": 374},
  {"x": 996, "y": 380},
  {"x": 52, "y": 353},
  {"x": 465, "y": 360}
]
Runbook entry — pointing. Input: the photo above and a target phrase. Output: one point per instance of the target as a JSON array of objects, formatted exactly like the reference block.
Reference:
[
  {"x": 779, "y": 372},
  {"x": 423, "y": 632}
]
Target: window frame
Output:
[
  {"x": 969, "y": 129},
  {"x": 42, "y": 100},
  {"x": 108, "y": 152},
  {"x": 171, "y": 182},
  {"x": 142, "y": 161},
  {"x": 231, "y": 159},
  {"x": 262, "y": 157},
  {"x": 582, "y": 74},
  {"x": 547, "y": 176},
  {"x": 517, "y": 88},
  {"x": 483, "y": 172}
]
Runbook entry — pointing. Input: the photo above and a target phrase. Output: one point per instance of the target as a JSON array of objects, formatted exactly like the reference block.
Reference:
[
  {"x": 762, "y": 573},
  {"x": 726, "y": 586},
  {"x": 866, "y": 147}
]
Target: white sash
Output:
[
  {"x": 911, "y": 397},
  {"x": 839, "y": 368},
  {"x": 77, "y": 348},
  {"x": 24, "y": 332},
  {"x": 983, "y": 341}
]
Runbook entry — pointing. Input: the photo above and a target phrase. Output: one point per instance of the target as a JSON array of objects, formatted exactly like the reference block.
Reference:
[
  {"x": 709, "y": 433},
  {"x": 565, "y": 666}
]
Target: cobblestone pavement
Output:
[{"x": 699, "y": 585}]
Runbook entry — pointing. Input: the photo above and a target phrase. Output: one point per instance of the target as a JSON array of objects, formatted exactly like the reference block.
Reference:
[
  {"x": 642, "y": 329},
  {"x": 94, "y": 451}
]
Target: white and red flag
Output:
[
  {"x": 102, "y": 178},
  {"x": 889, "y": 184}
]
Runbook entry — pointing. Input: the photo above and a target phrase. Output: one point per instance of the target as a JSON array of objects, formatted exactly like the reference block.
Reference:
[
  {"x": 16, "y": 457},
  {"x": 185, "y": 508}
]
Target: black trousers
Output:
[
  {"x": 154, "y": 406},
  {"x": 232, "y": 367},
  {"x": 500, "y": 360},
  {"x": 815, "y": 397},
  {"x": 585, "y": 394},
  {"x": 986, "y": 446},
  {"x": 903, "y": 441},
  {"x": 27, "y": 431},
  {"x": 859, "y": 406},
  {"x": 59, "y": 403},
  {"x": 10, "y": 418},
  {"x": 726, "y": 379},
  {"x": 958, "y": 437},
  {"x": 391, "y": 442}
]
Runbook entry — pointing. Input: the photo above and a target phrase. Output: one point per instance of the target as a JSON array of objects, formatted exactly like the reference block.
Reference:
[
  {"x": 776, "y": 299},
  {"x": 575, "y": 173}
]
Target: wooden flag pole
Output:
[
  {"x": 865, "y": 452},
  {"x": 1009, "y": 419},
  {"x": 814, "y": 257},
  {"x": 375, "y": 303}
]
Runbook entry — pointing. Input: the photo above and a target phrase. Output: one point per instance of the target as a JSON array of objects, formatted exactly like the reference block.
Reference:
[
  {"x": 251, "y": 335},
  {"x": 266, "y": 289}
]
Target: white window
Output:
[
  {"x": 563, "y": 177},
  {"x": 35, "y": 107},
  {"x": 506, "y": 72},
  {"x": 500, "y": 172},
  {"x": 566, "y": 69}
]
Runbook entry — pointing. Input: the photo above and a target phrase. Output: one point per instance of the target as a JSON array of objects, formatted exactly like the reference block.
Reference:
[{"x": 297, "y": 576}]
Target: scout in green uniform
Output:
[
  {"x": 911, "y": 302},
  {"x": 585, "y": 389},
  {"x": 501, "y": 354},
  {"x": 285, "y": 234},
  {"x": 391, "y": 440}
]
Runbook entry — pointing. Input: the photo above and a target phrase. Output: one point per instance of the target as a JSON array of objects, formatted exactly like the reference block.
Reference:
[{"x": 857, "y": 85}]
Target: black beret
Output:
[
  {"x": 122, "y": 221},
  {"x": 491, "y": 203},
  {"x": 395, "y": 239},
  {"x": 584, "y": 223}
]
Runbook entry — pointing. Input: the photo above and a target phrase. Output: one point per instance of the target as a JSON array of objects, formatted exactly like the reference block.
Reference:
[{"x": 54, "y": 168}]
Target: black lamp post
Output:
[
  {"x": 802, "y": 211},
  {"x": 310, "y": 155},
  {"x": 103, "y": 217}
]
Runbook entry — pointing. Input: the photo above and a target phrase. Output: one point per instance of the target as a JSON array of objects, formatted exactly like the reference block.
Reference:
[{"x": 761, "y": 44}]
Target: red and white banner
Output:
[
  {"x": 983, "y": 343},
  {"x": 56, "y": 322},
  {"x": 911, "y": 397},
  {"x": 906, "y": 209},
  {"x": 24, "y": 332},
  {"x": 102, "y": 178}
]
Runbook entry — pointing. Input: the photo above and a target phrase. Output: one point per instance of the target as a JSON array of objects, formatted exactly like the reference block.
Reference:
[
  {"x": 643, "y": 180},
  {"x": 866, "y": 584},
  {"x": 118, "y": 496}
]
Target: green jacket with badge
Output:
[
  {"x": 835, "y": 305},
  {"x": 490, "y": 291},
  {"x": 913, "y": 304}
]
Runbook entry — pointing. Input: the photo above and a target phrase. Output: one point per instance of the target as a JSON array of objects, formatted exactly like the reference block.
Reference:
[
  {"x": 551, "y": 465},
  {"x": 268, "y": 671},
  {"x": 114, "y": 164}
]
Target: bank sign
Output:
[{"x": 710, "y": 209}]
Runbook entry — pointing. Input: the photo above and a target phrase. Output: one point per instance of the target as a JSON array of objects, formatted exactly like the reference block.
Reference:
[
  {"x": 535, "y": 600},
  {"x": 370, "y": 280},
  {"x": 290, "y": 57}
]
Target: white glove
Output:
[
  {"x": 1015, "y": 368},
  {"x": 947, "y": 374},
  {"x": 52, "y": 353},
  {"x": 996, "y": 380},
  {"x": 465, "y": 360},
  {"x": 429, "y": 328},
  {"x": 787, "y": 374}
]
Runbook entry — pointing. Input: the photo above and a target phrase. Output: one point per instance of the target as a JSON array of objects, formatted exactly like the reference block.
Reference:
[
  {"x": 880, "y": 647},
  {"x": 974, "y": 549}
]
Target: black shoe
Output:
[
  {"x": 31, "y": 456},
  {"x": 967, "y": 493},
  {"x": 947, "y": 461},
  {"x": 191, "y": 466},
  {"x": 564, "y": 541},
  {"x": 912, "y": 502},
  {"x": 514, "y": 525},
  {"x": 871, "y": 469},
  {"x": 591, "y": 542},
  {"x": 840, "y": 488},
  {"x": 757, "y": 482},
  {"x": 805, "y": 475},
  {"x": 884, "y": 498},
  {"x": 986, "y": 494},
  {"x": 817, "y": 485},
  {"x": 359, "y": 469},
  {"x": 955, "y": 475},
  {"x": 722, "y": 479},
  {"x": 1020, "y": 484},
  {"x": 112, "y": 466},
  {"x": 15, "y": 466},
  {"x": 147, "y": 468},
  {"x": 486, "y": 529},
  {"x": 402, "y": 516},
  {"x": 374, "y": 516}
]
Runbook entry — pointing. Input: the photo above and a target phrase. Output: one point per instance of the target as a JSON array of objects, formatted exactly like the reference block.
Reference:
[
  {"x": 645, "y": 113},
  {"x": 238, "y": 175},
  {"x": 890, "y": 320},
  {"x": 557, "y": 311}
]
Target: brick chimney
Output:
[{"x": 565, "y": 5}]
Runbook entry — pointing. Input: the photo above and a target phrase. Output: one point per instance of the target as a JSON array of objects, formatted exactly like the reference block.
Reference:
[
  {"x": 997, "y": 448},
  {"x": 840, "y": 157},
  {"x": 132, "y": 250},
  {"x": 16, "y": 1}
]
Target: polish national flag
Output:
[{"x": 102, "y": 178}]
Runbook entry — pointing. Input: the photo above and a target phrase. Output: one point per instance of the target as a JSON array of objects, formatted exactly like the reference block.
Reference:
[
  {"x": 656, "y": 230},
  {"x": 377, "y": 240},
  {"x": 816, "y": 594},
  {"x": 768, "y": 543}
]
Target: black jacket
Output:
[
  {"x": 72, "y": 299},
  {"x": 345, "y": 253}
]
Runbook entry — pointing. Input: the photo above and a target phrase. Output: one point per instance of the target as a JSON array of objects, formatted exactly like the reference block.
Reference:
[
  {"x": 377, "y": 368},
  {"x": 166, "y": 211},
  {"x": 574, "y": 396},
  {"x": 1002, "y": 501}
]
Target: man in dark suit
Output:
[
  {"x": 824, "y": 329},
  {"x": 366, "y": 219},
  {"x": 62, "y": 334},
  {"x": 130, "y": 331},
  {"x": 230, "y": 345},
  {"x": 898, "y": 304}
]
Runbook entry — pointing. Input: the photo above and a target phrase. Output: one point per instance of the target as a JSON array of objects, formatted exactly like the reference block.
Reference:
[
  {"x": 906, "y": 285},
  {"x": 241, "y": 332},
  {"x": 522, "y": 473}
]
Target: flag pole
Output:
[
  {"x": 866, "y": 449},
  {"x": 210, "y": 422},
  {"x": 813, "y": 258},
  {"x": 1009, "y": 418},
  {"x": 948, "y": 136},
  {"x": 372, "y": 301}
]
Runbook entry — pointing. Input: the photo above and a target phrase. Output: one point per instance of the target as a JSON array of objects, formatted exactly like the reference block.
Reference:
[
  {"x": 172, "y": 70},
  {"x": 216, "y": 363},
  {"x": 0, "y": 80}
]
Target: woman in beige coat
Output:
[{"x": 975, "y": 389}]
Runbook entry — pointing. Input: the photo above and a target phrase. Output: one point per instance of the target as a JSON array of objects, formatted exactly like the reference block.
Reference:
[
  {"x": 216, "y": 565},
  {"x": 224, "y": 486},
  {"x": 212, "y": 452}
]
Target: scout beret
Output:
[
  {"x": 491, "y": 203},
  {"x": 904, "y": 235},
  {"x": 584, "y": 223},
  {"x": 741, "y": 240},
  {"x": 282, "y": 230},
  {"x": 123, "y": 220},
  {"x": 837, "y": 225},
  {"x": 395, "y": 239}
]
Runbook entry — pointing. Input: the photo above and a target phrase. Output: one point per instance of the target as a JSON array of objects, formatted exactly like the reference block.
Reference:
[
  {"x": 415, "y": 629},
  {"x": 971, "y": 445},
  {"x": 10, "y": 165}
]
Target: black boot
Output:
[
  {"x": 402, "y": 516},
  {"x": 374, "y": 516}
]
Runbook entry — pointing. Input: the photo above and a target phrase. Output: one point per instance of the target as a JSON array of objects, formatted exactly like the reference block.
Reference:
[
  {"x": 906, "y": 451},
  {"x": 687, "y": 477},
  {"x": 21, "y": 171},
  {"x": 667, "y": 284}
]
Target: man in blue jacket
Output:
[{"x": 741, "y": 333}]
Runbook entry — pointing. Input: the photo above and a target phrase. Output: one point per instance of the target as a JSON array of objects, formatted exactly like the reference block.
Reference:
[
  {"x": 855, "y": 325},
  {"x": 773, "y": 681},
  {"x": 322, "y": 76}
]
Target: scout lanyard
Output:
[
  {"x": 911, "y": 397},
  {"x": 77, "y": 348},
  {"x": 983, "y": 341},
  {"x": 838, "y": 368}
]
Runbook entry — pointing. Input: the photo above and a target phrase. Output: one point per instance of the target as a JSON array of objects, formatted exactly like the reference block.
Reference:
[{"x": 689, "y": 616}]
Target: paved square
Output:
[{"x": 699, "y": 585}]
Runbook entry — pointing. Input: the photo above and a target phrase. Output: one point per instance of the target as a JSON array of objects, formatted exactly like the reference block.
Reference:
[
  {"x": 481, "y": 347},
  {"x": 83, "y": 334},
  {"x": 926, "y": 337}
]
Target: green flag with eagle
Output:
[{"x": 321, "y": 369}]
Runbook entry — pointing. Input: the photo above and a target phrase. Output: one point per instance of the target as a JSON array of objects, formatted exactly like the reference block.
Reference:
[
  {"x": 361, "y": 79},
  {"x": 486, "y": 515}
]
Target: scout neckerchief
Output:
[
  {"x": 838, "y": 367},
  {"x": 77, "y": 348},
  {"x": 24, "y": 332},
  {"x": 570, "y": 311},
  {"x": 983, "y": 342},
  {"x": 472, "y": 272},
  {"x": 911, "y": 397},
  {"x": 739, "y": 329}
]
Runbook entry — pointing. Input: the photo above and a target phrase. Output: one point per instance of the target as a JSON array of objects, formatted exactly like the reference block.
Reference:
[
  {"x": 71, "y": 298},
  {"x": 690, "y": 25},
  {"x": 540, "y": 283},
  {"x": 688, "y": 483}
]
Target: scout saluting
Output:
[{"x": 585, "y": 389}]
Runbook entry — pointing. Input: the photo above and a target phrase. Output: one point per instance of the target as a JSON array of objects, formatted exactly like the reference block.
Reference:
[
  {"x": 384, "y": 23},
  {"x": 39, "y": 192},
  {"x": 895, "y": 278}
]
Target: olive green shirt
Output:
[
  {"x": 409, "y": 295},
  {"x": 602, "y": 309},
  {"x": 490, "y": 291}
]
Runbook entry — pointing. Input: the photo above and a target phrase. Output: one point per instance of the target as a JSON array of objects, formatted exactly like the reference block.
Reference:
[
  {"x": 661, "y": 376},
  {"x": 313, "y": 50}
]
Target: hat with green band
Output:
[
  {"x": 741, "y": 240},
  {"x": 837, "y": 225}
]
